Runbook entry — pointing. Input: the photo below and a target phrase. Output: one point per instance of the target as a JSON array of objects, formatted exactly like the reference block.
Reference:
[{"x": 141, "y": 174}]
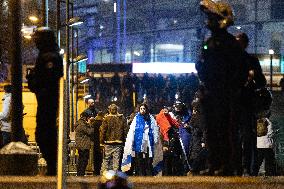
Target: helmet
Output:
[
  {"x": 179, "y": 106},
  {"x": 221, "y": 9},
  {"x": 44, "y": 38},
  {"x": 114, "y": 180}
]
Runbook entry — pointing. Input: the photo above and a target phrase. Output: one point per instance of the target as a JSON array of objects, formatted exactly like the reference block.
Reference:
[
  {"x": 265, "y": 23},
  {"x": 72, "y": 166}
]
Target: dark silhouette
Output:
[
  {"x": 223, "y": 73},
  {"x": 43, "y": 80}
]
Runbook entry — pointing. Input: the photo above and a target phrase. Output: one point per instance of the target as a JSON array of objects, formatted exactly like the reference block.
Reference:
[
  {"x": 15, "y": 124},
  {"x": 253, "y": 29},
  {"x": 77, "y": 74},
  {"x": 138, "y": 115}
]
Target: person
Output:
[
  {"x": 182, "y": 115},
  {"x": 265, "y": 146},
  {"x": 222, "y": 70},
  {"x": 43, "y": 80},
  {"x": 91, "y": 110},
  {"x": 83, "y": 138},
  {"x": 98, "y": 156},
  {"x": 112, "y": 136},
  {"x": 143, "y": 145},
  {"x": 5, "y": 115},
  {"x": 281, "y": 83},
  {"x": 172, "y": 150},
  {"x": 256, "y": 80},
  {"x": 197, "y": 149}
]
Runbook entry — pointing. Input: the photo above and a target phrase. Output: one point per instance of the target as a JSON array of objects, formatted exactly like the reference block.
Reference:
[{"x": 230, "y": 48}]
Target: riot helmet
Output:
[
  {"x": 179, "y": 107},
  {"x": 220, "y": 14},
  {"x": 114, "y": 180},
  {"x": 44, "y": 39}
]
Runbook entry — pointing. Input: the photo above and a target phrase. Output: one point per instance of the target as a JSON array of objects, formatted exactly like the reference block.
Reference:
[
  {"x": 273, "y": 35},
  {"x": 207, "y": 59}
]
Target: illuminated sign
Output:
[
  {"x": 163, "y": 67},
  {"x": 82, "y": 66}
]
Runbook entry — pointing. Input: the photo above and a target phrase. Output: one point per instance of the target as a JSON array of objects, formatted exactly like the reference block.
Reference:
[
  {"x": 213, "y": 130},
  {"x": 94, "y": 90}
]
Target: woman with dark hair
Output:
[{"x": 143, "y": 143}]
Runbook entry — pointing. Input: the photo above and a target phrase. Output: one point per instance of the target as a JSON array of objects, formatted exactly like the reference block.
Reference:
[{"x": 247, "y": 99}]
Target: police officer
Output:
[
  {"x": 43, "y": 80},
  {"x": 223, "y": 73},
  {"x": 256, "y": 80}
]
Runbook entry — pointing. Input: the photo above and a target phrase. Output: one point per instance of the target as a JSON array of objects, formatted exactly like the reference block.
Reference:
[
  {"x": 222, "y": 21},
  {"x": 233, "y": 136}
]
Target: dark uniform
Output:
[
  {"x": 44, "y": 82},
  {"x": 249, "y": 107},
  {"x": 223, "y": 73}
]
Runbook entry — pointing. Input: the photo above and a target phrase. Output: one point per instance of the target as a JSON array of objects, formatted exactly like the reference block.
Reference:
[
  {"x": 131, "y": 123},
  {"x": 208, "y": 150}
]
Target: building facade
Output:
[{"x": 127, "y": 31}]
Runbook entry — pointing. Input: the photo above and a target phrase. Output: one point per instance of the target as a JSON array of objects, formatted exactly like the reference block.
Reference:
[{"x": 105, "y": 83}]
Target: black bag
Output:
[
  {"x": 262, "y": 99},
  {"x": 31, "y": 80}
]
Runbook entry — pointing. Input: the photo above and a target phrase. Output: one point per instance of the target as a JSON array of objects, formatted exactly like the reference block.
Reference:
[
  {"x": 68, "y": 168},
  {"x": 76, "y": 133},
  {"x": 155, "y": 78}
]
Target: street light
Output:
[
  {"x": 33, "y": 19},
  {"x": 271, "y": 53},
  {"x": 75, "y": 21}
]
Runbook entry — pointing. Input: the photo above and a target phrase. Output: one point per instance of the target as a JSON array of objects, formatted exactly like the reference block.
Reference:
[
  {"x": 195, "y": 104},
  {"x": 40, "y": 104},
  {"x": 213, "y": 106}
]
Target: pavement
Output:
[{"x": 90, "y": 182}]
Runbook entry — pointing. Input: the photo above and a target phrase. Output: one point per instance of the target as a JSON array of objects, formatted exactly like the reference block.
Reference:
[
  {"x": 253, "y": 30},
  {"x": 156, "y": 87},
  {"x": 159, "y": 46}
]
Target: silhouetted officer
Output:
[
  {"x": 223, "y": 73},
  {"x": 44, "y": 82},
  {"x": 250, "y": 106}
]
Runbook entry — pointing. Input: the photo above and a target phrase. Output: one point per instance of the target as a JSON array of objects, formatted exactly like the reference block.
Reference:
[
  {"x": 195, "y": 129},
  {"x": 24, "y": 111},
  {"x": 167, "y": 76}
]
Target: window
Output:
[{"x": 277, "y": 9}]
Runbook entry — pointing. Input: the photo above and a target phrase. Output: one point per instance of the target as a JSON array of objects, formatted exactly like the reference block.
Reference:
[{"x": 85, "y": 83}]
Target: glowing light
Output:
[
  {"x": 27, "y": 37},
  {"x": 136, "y": 53},
  {"x": 170, "y": 47},
  {"x": 84, "y": 81},
  {"x": 176, "y": 96},
  {"x": 61, "y": 51},
  {"x": 33, "y": 19},
  {"x": 271, "y": 51},
  {"x": 87, "y": 96},
  {"x": 114, "y": 7},
  {"x": 205, "y": 47},
  {"x": 163, "y": 67},
  {"x": 238, "y": 27}
]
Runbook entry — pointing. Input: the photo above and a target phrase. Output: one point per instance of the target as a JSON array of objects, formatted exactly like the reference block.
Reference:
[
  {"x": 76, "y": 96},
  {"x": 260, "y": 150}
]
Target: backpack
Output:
[
  {"x": 262, "y": 127},
  {"x": 262, "y": 99}
]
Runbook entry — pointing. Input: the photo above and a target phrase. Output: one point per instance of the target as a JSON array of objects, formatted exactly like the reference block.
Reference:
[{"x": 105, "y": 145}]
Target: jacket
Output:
[
  {"x": 84, "y": 133},
  {"x": 113, "y": 130},
  {"x": 5, "y": 114}
]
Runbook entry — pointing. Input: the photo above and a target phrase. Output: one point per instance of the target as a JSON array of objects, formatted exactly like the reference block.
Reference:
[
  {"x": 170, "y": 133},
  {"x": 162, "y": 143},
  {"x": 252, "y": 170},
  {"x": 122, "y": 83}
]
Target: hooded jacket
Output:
[{"x": 5, "y": 114}]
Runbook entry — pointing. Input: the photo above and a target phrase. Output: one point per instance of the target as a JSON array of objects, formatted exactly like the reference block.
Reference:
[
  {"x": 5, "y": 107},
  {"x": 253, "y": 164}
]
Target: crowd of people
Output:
[
  {"x": 212, "y": 123},
  {"x": 223, "y": 130},
  {"x": 131, "y": 88}
]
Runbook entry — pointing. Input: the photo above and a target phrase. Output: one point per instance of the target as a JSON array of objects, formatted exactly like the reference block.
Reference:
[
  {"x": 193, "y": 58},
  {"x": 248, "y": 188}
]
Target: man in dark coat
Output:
[
  {"x": 223, "y": 73},
  {"x": 84, "y": 135},
  {"x": 98, "y": 156},
  {"x": 44, "y": 82},
  {"x": 256, "y": 80}
]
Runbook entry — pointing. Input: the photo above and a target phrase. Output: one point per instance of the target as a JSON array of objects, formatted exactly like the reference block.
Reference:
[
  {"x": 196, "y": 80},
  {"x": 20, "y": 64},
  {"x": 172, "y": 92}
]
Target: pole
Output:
[
  {"x": 58, "y": 24},
  {"x": 271, "y": 71},
  {"x": 72, "y": 71},
  {"x": 255, "y": 26},
  {"x": 45, "y": 13},
  {"x": 77, "y": 73},
  {"x": 16, "y": 69},
  {"x": 62, "y": 142}
]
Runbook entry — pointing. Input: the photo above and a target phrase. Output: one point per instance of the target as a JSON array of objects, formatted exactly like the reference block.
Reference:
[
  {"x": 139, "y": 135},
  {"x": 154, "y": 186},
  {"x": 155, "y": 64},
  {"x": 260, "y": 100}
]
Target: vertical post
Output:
[
  {"x": 16, "y": 69},
  {"x": 45, "y": 13},
  {"x": 58, "y": 24},
  {"x": 72, "y": 70},
  {"x": 255, "y": 26},
  {"x": 77, "y": 73},
  {"x": 118, "y": 16},
  {"x": 271, "y": 71},
  {"x": 271, "y": 52},
  {"x": 124, "y": 41},
  {"x": 62, "y": 142}
]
